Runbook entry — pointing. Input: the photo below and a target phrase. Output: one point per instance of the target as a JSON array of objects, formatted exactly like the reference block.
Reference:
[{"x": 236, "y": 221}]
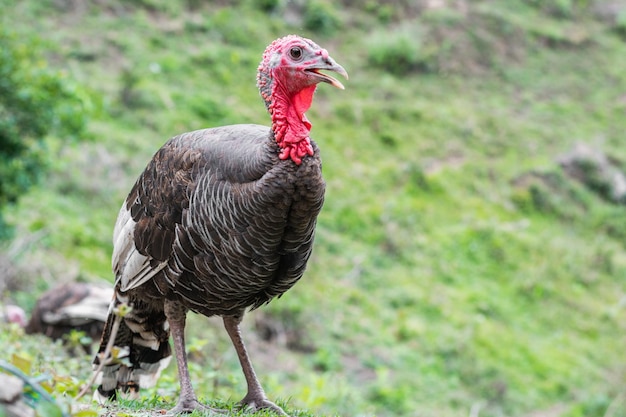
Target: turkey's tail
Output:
[{"x": 141, "y": 350}]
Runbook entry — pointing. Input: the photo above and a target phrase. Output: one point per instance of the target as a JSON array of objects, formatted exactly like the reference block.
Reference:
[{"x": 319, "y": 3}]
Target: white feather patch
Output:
[
  {"x": 151, "y": 373},
  {"x": 149, "y": 343},
  {"x": 131, "y": 267},
  {"x": 99, "y": 398}
]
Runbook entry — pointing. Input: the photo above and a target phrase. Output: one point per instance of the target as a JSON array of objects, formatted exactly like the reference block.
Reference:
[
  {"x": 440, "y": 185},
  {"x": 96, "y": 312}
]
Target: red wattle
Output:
[
  {"x": 291, "y": 126},
  {"x": 306, "y": 122},
  {"x": 302, "y": 102}
]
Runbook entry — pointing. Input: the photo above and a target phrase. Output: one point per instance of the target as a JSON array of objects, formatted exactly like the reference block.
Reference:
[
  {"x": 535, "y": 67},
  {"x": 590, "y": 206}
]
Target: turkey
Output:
[
  {"x": 221, "y": 221},
  {"x": 72, "y": 306}
]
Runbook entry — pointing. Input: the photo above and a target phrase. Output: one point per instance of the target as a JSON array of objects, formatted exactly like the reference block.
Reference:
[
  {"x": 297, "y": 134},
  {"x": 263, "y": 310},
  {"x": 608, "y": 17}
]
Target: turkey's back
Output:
[{"x": 218, "y": 221}]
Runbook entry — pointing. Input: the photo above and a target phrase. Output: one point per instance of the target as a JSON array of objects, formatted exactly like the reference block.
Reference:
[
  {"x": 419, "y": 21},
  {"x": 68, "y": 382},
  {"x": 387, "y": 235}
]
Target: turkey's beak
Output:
[{"x": 329, "y": 65}]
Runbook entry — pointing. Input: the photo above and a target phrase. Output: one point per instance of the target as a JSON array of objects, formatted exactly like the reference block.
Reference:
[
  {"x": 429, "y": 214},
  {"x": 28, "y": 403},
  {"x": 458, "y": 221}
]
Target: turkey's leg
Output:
[
  {"x": 187, "y": 400},
  {"x": 255, "y": 399}
]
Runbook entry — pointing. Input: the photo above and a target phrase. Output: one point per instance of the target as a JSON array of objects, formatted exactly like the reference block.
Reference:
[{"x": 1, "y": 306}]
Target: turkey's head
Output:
[{"x": 287, "y": 78}]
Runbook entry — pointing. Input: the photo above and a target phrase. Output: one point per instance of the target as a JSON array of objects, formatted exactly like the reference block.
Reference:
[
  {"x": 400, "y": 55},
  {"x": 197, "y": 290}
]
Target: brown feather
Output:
[{"x": 221, "y": 220}]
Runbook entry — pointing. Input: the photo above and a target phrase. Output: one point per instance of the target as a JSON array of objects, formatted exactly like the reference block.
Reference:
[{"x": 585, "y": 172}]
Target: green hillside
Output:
[{"x": 459, "y": 268}]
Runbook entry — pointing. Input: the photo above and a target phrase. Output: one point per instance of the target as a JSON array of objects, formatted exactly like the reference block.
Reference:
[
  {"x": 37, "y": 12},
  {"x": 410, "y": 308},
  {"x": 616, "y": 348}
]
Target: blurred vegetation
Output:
[
  {"x": 36, "y": 101},
  {"x": 459, "y": 269}
]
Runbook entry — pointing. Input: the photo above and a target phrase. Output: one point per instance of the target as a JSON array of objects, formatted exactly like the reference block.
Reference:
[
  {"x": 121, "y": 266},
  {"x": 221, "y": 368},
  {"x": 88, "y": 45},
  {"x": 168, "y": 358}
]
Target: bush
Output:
[
  {"x": 562, "y": 9},
  {"x": 620, "y": 23},
  {"x": 400, "y": 52},
  {"x": 35, "y": 102},
  {"x": 321, "y": 17}
]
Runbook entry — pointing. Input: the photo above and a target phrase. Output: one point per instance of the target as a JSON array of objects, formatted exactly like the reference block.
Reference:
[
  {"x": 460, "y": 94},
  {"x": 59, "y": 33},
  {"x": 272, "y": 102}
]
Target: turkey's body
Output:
[
  {"x": 221, "y": 220},
  {"x": 229, "y": 223},
  {"x": 216, "y": 223}
]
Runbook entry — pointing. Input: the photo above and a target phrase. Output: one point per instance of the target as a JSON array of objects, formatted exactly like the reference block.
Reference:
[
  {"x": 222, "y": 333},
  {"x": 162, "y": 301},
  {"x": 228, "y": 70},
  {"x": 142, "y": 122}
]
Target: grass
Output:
[{"x": 446, "y": 278}]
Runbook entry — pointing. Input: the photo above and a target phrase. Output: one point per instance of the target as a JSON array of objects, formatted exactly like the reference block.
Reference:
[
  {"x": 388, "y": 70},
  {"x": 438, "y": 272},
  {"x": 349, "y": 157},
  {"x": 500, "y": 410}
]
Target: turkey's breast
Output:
[{"x": 218, "y": 221}]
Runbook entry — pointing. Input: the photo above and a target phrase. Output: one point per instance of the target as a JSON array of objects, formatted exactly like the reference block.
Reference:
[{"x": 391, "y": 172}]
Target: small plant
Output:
[
  {"x": 268, "y": 5},
  {"x": 320, "y": 16},
  {"x": 400, "y": 52},
  {"x": 384, "y": 12},
  {"x": 49, "y": 380},
  {"x": 620, "y": 23},
  {"x": 111, "y": 354}
]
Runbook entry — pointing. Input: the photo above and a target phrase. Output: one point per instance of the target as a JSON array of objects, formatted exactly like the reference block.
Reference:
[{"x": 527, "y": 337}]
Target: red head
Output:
[{"x": 287, "y": 78}]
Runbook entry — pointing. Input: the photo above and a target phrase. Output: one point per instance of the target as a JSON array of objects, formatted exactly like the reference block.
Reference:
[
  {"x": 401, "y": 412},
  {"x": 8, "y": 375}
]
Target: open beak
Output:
[{"x": 330, "y": 66}]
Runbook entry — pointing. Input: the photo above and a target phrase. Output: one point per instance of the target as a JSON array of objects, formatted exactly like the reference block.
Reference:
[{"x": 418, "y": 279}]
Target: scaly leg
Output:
[
  {"x": 255, "y": 399},
  {"x": 187, "y": 400}
]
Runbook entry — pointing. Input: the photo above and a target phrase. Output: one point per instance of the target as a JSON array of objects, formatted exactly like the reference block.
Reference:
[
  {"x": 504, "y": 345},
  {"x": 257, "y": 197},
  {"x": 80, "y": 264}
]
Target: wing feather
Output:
[
  {"x": 132, "y": 269},
  {"x": 147, "y": 222}
]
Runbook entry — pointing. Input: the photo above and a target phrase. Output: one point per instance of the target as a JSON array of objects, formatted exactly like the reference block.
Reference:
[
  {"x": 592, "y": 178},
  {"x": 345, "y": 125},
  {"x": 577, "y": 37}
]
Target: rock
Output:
[
  {"x": 594, "y": 169},
  {"x": 11, "y": 403}
]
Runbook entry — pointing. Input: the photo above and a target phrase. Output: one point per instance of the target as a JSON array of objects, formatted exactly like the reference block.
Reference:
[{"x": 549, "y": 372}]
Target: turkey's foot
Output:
[
  {"x": 190, "y": 405},
  {"x": 254, "y": 404}
]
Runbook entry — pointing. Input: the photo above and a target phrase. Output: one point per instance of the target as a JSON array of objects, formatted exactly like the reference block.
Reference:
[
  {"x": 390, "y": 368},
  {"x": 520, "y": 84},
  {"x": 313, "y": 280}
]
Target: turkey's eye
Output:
[{"x": 295, "y": 53}]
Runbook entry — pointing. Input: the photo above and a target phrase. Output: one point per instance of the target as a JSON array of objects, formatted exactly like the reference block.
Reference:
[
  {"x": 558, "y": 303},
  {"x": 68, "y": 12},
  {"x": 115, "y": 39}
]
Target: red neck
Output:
[{"x": 290, "y": 125}]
